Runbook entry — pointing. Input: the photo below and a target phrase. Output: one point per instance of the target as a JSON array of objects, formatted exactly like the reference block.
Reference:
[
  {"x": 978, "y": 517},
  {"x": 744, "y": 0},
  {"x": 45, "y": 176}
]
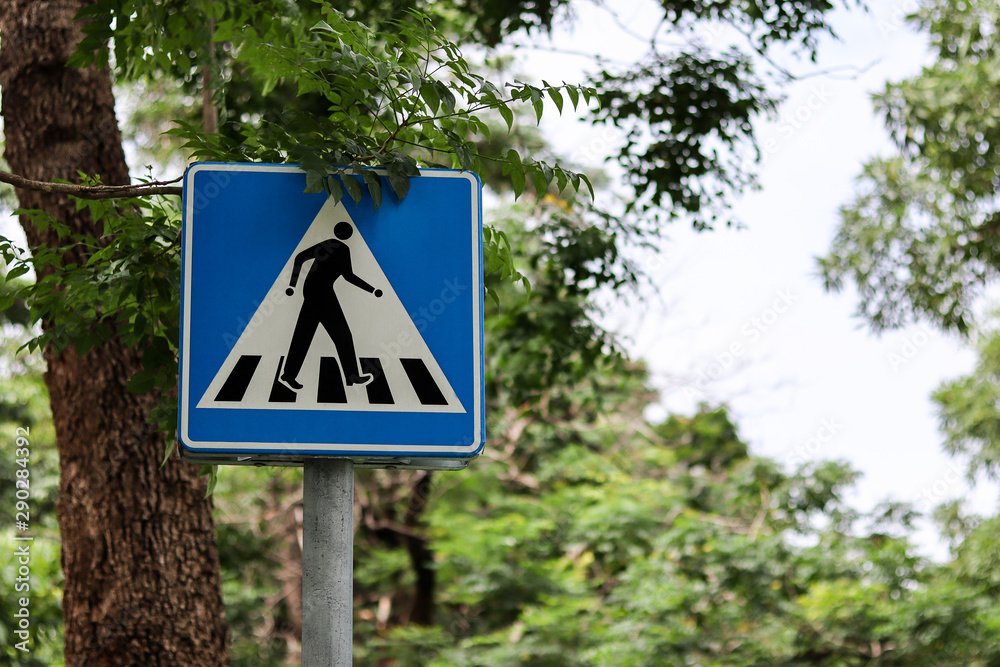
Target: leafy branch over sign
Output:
[{"x": 395, "y": 101}]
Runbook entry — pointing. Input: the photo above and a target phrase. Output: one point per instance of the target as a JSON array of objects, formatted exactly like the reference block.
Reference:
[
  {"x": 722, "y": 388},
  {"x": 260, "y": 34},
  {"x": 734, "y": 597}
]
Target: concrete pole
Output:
[{"x": 328, "y": 563}]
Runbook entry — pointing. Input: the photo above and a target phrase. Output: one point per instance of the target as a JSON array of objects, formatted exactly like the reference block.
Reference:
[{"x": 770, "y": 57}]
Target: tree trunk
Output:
[
  {"x": 421, "y": 554},
  {"x": 138, "y": 542}
]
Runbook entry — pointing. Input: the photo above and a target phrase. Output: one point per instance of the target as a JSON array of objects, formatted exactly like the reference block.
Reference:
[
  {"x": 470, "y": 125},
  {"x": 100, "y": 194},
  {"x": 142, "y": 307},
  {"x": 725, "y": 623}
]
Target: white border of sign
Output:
[{"x": 291, "y": 452}]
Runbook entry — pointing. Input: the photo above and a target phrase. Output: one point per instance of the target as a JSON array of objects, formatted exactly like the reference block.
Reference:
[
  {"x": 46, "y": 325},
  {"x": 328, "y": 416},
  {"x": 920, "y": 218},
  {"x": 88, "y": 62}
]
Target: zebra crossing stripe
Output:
[
  {"x": 378, "y": 389},
  {"x": 279, "y": 392},
  {"x": 423, "y": 383},
  {"x": 238, "y": 381},
  {"x": 331, "y": 386}
]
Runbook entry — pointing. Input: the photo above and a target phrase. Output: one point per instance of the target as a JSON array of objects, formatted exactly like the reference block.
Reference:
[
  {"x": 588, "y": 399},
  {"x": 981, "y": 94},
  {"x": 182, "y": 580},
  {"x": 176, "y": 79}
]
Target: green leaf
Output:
[
  {"x": 142, "y": 382},
  {"x": 171, "y": 444},
  {"x": 213, "y": 478},
  {"x": 445, "y": 95},
  {"x": 514, "y": 158},
  {"x": 224, "y": 31},
  {"x": 561, "y": 178},
  {"x": 429, "y": 94},
  {"x": 400, "y": 183},
  {"x": 314, "y": 181},
  {"x": 353, "y": 147},
  {"x": 539, "y": 179},
  {"x": 517, "y": 178},
  {"x": 482, "y": 128},
  {"x": 353, "y": 188},
  {"x": 556, "y": 97},
  {"x": 374, "y": 184},
  {"x": 574, "y": 95},
  {"x": 16, "y": 272},
  {"x": 96, "y": 11},
  {"x": 333, "y": 188},
  {"x": 507, "y": 115}
]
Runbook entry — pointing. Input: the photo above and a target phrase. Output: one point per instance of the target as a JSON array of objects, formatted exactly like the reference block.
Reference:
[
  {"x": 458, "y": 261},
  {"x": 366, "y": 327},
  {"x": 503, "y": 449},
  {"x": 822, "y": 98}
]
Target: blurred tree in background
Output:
[{"x": 921, "y": 242}]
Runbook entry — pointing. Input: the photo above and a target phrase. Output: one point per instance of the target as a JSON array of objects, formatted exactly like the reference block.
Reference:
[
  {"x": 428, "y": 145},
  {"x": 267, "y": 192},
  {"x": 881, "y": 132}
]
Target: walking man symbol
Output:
[{"x": 331, "y": 259}]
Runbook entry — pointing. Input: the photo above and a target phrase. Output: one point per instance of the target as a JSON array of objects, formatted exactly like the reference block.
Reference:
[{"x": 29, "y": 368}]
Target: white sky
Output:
[{"x": 810, "y": 381}]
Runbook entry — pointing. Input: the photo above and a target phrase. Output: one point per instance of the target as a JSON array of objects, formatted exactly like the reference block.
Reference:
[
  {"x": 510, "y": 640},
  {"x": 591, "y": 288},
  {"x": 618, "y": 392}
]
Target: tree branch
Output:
[
  {"x": 209, "y": 112},
  {"x": 95, "y": 191}
]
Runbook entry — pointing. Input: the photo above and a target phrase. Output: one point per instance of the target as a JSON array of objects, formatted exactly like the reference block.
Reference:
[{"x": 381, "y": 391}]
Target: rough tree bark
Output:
[{"x": 138, "y": 542}]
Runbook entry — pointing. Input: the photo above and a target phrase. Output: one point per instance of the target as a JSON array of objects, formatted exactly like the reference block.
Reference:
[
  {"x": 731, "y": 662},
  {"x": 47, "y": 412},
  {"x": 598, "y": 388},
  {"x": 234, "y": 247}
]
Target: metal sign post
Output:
[{"x": 328, "y": 563}]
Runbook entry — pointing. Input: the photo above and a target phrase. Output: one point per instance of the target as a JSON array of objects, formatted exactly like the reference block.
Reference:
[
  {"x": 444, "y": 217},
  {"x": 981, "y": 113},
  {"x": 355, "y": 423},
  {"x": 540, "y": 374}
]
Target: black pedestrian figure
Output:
[{"x": 331, "y": 260}]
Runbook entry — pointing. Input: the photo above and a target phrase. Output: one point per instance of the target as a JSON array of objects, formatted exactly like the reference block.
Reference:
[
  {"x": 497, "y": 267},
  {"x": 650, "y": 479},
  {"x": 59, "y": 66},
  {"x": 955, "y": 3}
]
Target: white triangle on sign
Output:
[{"x": 411, "y": 379}]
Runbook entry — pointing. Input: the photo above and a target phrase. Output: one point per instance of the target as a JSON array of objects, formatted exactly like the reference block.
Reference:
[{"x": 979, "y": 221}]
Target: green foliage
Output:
[
  {"x": 915, "y": 248},
  {"x": 969, "y": 413},
  {"x": 393, "y": 99},
  {"x": 920, "y": 239},
  {"x": 252, "y": 519},
  {"x": 617, "y": 549},
  {"x": 710, "y": 103},
  {"x": 687, "y": 111},
  {"x": 767, "y": 22},
  {"x": 920, "y": 242},
  {"x": 13, "y": 309},
  {"x": 549, "y": 338},
  {"x": 492, "y": 20},
  {"x": 121, "y": 285},
  {"x": 277, "y": 71}
]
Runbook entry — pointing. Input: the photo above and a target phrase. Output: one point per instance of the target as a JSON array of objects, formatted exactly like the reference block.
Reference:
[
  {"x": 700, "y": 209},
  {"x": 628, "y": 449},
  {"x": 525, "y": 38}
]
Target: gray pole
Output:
[{"x": 328, "y": 563}]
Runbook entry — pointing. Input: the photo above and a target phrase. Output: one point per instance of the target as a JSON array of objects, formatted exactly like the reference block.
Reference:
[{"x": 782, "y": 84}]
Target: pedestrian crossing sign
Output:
[{"x": 313, "y": 328}]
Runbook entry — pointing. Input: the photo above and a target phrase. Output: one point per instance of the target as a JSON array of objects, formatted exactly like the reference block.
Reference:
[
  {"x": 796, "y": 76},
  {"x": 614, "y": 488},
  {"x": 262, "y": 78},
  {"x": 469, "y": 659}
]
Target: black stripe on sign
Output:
[
  {"x": 427, "y": 390},
  {"x": 279, "y": 392},
  {"x": 239, "y": 379},
  {"x": 378, "y": 389},
  {"x": 331, "y": 384}
]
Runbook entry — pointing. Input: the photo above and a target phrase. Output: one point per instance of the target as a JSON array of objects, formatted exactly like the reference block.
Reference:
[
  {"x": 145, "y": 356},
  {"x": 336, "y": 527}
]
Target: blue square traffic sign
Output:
[{"x": 310, "y": 328}]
